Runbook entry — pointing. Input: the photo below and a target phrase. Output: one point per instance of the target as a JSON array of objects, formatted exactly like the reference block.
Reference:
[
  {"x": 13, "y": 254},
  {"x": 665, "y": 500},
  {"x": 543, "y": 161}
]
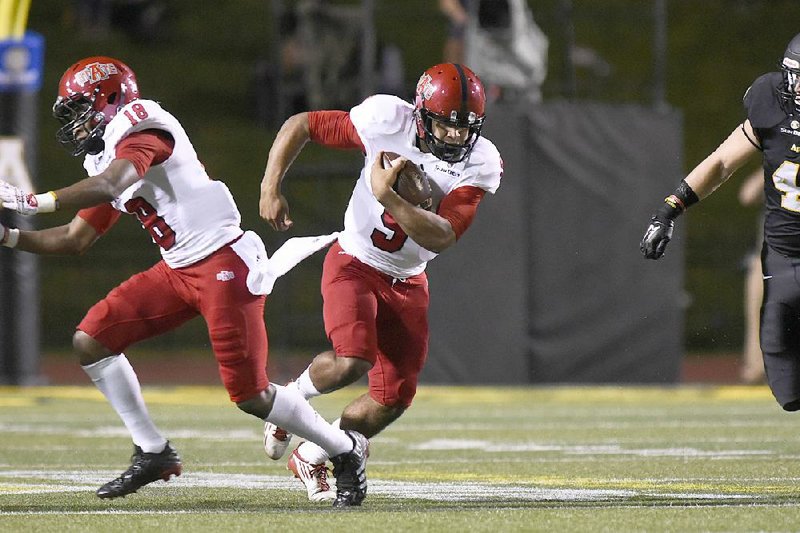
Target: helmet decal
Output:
[
  {"x": 425, "y": 86},
  {"x": 95, "y": 72}
]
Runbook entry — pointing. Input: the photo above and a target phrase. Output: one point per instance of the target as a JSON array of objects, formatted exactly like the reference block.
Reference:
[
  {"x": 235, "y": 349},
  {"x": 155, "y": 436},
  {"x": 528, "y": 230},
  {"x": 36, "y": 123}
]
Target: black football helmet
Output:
[{"x": 791, "y": 76}]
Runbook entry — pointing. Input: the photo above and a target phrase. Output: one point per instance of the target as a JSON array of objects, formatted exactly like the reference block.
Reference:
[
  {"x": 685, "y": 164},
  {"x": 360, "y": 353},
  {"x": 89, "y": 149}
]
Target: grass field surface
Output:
[{"x": 461, "y": 459}]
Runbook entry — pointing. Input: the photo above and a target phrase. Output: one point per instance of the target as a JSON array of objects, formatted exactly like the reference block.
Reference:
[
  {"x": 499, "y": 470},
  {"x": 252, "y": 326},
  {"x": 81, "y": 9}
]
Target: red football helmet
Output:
[
  {"x": 452, "y": 95},
  {"x": 89, "y": 95}
]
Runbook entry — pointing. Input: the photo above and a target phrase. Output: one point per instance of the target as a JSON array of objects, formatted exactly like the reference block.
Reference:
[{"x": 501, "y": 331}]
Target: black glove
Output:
[
  {"x": 655, "y": 239},
  {"x": 659, "y": 232}
]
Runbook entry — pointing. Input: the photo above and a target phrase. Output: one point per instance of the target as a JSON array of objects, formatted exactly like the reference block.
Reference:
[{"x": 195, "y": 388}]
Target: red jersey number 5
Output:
[{"x": 382, "y": 241}]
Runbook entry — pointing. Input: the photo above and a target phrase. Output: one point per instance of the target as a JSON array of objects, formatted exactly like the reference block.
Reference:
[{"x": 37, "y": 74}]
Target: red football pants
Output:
[
  {"x": 161, "y": 299},
  {"x": 375, "y": 317}
]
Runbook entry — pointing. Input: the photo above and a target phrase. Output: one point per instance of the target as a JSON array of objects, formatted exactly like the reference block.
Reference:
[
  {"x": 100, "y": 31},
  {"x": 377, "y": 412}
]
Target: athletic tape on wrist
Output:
[
  {"x": 48, "y": 202},
  {"x": 10, "y": 237}
]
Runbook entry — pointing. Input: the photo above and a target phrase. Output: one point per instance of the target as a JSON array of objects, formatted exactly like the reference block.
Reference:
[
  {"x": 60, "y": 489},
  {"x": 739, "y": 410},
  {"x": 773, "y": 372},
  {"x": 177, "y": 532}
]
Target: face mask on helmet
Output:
[
  {"x": 449, "y": 96},
  {"x": 440, "y": 144},
  {"x": 89, "y": 95},
  {"x": 791, "y": 77},
  {"x": 82, "y": 127}
]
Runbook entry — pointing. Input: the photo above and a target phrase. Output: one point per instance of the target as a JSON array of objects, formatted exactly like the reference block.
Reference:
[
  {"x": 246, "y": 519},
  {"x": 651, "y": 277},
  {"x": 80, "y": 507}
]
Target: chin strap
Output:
[{"x": 94, "y": 145}]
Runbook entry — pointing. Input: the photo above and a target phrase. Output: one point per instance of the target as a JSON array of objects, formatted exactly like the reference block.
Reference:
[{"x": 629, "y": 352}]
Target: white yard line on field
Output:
[
  {"x": 591, "y": 449},
  {"x": 36, "y": 482}
]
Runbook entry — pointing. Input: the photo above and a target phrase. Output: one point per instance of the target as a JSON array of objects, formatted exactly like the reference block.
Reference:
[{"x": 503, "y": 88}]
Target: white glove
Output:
[{"x": 26, "y": 203}]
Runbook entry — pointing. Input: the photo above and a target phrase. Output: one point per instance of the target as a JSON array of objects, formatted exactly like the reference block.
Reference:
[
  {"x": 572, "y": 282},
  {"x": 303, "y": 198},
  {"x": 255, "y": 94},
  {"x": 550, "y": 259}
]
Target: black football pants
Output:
[{"x": 780, "y": 326}]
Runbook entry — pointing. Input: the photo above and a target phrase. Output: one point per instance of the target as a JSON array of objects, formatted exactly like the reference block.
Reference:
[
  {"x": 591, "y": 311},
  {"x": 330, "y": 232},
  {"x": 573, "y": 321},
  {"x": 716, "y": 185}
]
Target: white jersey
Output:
[
  {"x": 188, "y": 214},
  {"x": 386, "y": 123}
]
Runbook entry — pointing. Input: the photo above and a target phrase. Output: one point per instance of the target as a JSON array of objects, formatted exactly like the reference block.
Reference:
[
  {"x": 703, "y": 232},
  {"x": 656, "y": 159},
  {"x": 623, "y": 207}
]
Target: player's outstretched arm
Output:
[
  {"x": 101, "y": 188},
  {"x": 87, "y": 192},
  {"x": 70, "y": 239},
  {"x": 731, "y": 155},
  {"x": 704, "y": 179}
]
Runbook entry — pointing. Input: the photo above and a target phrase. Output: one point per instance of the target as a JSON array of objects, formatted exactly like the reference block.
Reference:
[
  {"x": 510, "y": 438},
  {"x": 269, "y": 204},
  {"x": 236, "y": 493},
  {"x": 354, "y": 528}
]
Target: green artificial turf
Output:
[{"x": 461, "y": 459}]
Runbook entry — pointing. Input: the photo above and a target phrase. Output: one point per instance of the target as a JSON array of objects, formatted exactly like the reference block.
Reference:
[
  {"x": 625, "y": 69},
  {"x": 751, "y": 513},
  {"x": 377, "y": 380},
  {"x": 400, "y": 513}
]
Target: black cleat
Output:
[
  {"x": 350, "y": 470},
  {"x": 145, "y": 468}
]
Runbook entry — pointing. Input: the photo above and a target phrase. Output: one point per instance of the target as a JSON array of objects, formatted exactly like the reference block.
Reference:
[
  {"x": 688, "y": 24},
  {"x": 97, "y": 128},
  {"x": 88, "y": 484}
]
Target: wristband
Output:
[
  {"x": 686, "y": 195},
  {"x": 48, "y": 202},
  {"x": 675, "y": 202},
  {"x": 10, "y": 237},
  {"x": 678, "y": 202}
]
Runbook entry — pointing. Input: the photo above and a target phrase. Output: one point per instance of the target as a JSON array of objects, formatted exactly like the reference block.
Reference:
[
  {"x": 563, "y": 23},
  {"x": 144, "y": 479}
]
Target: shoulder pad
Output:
[
  {"x": 381, "y": 114},
  {"x": 762, "y": 101},
  {"x": 485, "y": 166}
]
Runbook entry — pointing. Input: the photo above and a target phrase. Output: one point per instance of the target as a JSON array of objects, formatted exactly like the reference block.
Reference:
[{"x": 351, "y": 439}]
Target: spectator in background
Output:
[
  {"x": 141, "y": 162},
  {"x": 751, "y": 193},
  {"x": 325, "y": 60},
  {"x": 457, "y": 13},
  {"x": 770, "y": 131},
  {"x": 501, "y": 42},
  {"x": 93, "y": 17},
  {"x": 142, "y": 20}
]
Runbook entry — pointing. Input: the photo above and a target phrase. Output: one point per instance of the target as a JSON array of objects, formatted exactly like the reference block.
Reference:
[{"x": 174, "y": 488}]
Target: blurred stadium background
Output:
[{"x": 218, "y": 68}]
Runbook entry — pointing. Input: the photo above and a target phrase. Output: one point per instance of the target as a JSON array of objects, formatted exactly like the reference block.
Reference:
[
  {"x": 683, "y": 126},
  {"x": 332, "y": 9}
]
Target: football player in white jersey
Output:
[
  {"x": 141, "y": 162},
  {"x": 374, "y": 286}
]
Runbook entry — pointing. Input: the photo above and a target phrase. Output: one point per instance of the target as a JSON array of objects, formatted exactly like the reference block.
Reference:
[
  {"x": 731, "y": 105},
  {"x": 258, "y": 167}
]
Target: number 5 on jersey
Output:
[{"x": 384, "y": 242}]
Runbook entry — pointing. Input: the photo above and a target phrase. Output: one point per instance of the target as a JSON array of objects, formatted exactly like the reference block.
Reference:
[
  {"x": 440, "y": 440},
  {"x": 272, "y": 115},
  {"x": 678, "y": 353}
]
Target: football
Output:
[{"x": 412, "y": 183}]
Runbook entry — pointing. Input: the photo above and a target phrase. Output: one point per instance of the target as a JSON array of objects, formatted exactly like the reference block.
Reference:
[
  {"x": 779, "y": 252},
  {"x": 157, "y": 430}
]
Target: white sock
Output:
[
  {"x": 312, "y": 452},
  {"x": 115, "y": 378},
  {"x": 294, "y": 414},
  {"x": 306, "y": 386}
]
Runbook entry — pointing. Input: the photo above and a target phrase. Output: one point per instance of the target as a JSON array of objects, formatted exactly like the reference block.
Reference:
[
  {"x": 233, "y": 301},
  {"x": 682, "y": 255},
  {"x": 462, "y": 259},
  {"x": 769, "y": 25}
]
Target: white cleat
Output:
[
  {"x": 314, "y": 477},
  {"x": 276, "y": 440}
]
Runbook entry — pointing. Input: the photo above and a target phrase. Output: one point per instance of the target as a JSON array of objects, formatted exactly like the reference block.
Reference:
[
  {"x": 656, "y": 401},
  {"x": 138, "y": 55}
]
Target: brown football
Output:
[{"x": 412, "y": 183}]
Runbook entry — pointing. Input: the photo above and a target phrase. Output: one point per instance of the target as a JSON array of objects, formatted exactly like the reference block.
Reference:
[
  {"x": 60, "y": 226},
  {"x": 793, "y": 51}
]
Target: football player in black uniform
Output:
[{"x": 772, "y": 127}]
